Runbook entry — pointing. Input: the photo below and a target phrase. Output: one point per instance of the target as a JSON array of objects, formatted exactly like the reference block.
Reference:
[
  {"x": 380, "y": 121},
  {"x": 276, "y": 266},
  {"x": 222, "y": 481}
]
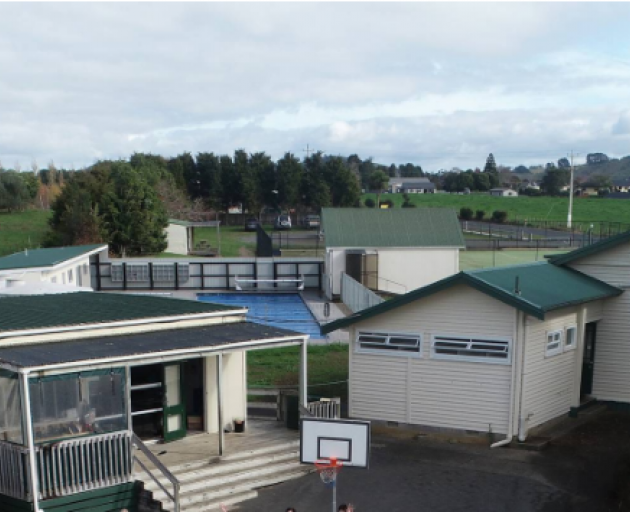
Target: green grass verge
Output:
[
  {"x": 21, "y": 230},
  {"x": 523, "y": 207}
]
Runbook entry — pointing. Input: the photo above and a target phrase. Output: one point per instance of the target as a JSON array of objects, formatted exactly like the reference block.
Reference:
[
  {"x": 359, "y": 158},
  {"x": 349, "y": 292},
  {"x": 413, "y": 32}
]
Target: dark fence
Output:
[
  {"x": 310, "y": 243},
  {"x": 264, "y": 245}
]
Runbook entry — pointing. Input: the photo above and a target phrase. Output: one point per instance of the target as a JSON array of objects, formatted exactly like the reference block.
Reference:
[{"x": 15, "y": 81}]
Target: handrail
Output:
[{"x": 163, "y": 469}]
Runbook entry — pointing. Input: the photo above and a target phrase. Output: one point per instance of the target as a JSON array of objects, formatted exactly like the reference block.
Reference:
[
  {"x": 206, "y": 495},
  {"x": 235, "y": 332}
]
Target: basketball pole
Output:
[{"x": 334, "y": 503}]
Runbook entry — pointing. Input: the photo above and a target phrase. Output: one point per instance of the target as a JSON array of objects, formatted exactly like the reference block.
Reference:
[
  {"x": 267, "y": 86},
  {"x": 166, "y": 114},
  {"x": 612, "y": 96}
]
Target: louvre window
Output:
[
  {"x": 554, "y": 343},
  {"x": 478, "y": 349},
  {"x": 163, "y": 272},
  {"x": 136, "y": 272},
  {"x": 392, "y": 343}
]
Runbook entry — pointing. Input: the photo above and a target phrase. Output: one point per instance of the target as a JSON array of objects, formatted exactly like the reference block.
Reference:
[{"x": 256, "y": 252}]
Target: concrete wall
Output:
[
  {"x": 177, "y": 239},
  {"x": 612, "y": 347},
  {"x": 435, "y": 392}
]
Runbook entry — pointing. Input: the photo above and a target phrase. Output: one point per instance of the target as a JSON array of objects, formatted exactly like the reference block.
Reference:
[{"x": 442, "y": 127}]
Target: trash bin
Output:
[
  {"x": 292, "y": 411},
  {"x": 239, "y": 426}
]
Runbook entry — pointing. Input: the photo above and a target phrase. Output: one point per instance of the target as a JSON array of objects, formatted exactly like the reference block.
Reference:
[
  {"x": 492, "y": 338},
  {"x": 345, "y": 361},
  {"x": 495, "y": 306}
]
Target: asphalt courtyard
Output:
[{"x": 581, "y": 471}]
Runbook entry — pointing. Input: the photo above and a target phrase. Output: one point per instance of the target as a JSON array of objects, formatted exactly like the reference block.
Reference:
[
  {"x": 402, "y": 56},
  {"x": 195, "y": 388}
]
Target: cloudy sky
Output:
[{"x": 440, "y": 85}]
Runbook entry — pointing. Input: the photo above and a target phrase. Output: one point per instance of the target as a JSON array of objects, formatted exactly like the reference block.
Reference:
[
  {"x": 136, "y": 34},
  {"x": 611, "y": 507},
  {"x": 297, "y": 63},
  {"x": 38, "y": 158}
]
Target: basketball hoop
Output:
[{"x": 328, "y": 469}]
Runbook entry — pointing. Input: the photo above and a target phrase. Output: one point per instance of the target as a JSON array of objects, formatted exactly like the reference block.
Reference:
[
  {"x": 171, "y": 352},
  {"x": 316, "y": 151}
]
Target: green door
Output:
[{"x": 174, "y": 406}]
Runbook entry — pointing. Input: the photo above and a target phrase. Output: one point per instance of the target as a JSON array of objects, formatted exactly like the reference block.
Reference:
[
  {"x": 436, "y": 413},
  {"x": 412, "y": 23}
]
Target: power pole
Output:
[
  {"x": 570, "y": 214},
  {"x": 308, "y": 151}
]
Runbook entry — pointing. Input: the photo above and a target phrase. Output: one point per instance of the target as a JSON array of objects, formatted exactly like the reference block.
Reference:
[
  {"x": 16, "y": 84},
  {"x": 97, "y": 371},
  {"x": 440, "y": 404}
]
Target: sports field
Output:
[{"x": 470, "y": 260}]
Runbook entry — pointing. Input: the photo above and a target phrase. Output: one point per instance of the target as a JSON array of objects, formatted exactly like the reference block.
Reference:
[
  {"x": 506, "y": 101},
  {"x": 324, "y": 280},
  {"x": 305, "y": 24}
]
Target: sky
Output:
[{"x": 438, "y": 85}]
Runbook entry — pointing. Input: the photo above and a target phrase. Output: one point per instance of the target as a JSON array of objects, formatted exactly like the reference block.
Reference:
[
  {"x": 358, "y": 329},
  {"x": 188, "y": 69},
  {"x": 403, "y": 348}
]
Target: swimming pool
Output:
[{"x": 285, "y": 310}]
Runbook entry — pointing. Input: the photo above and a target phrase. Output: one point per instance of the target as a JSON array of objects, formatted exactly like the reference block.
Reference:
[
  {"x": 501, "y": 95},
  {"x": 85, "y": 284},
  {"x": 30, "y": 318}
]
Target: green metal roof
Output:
[
  {"x": 396, "y": 227},
  {"x": 27, "y": 312},
  {"x": 589, "y": 250},
  {"x": 542, "y": 287},
  {"x": 33, "y": 258}
]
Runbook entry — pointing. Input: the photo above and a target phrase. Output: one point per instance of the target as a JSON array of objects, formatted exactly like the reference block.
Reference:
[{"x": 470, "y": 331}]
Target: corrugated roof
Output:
[
  {"x": 71, "y": 309},
  {"x": 543, "y": 287},
  {"x": 33, "y": 258},
  {"x": 589, "y": 250},
  {"x": 121, "y": 348},
  {"x": 396, "y": 227}
]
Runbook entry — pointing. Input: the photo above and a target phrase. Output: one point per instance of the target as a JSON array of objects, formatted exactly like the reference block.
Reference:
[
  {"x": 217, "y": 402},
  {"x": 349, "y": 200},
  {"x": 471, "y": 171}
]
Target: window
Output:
[
  {"x": 53, "y": 279},
  {"x": 478, "y": 349},
  {"x": 136, "y": 272},
  {"x": 395, "y": 344},
  {"x": 570, "y": 342},
  {"x": 166, "y": 272},
  {"x": 554, "y": 343},
  {"x": 78, "y": 404},
  {"x": 85, "y": 268},
  {"x": 10, "y": 408},
  {"x": 70, "y": 276}
]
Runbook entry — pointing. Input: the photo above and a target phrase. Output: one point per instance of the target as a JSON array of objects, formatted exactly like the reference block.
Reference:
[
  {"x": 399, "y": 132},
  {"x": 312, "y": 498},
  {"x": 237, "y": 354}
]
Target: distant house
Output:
[
  {"x": 621, "y": 185},
  {"x": 64, "y": 266},
  {"x": 411, "y": 186},
  {"x": 587, "y": 189},
  {"x": 180, "y": 237},
  {"x": 392, "y": 250},
  {"x": 503, "y": 192},
  {"x": 500, "y": 350}
]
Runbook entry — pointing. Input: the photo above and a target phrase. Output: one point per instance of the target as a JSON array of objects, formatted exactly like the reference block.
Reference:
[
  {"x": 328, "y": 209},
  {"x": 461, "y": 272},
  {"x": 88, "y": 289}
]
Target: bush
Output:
[
  {"x": 407, "y": 204},
  {"x": 465, "y": 213},
  {"x": 370, "y": 203},
  {"x": 479, "y": 215},
  {"x": 388, "y": 202},
  {"x": 499, "y": 216}
]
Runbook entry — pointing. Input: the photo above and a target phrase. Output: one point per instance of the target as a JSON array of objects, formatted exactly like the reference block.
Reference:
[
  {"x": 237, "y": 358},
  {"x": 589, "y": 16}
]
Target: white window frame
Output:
[
  {"x": 471, "y": 358},
  {"x": 388, "y": 335},
  {"x": 554, "y": 351},
  {"x": 573, "y": 345}
]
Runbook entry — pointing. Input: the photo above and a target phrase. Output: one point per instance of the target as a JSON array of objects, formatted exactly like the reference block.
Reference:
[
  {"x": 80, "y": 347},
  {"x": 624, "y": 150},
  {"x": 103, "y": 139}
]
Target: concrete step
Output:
[
  {"x": 206, "y": 497},
  {"x": 214, "y": 506},
  {"x": 202, "y": 483}
]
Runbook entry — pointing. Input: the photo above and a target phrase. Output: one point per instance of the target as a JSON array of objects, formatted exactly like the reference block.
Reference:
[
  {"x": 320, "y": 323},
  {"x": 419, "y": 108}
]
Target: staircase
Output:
[{"x": 206, "y": 485}]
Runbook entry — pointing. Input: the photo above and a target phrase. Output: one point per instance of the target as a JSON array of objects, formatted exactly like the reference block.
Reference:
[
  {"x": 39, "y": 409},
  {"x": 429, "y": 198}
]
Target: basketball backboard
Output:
[{"x": 346, "y": 440}]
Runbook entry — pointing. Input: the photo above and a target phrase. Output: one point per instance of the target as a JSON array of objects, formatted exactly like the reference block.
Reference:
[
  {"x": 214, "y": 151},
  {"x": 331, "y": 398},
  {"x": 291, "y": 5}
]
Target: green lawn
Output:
[
  {"x": 21, "y": 230},
  {"x": 524, "y": 207},
  {"x": 470, "y": 260}
]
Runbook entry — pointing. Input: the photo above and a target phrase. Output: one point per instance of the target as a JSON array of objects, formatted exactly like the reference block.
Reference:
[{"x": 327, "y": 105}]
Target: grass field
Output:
[
  {"x": 470, "y": 260},
  {"x": 524, "y": 207},
  {"x": 22, "y": 230}
]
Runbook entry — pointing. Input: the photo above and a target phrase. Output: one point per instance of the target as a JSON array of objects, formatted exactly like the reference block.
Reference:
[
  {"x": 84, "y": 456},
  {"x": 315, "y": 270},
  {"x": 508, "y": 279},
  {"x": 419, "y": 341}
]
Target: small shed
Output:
[
  {"x": 180, "y": 237},
  {"x": 394, "y": 250},
  {"x": 503, "y": 192}
]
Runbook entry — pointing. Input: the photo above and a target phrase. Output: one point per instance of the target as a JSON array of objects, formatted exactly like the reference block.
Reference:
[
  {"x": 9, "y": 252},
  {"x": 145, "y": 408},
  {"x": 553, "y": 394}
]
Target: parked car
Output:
[
  {"x": 311, "y": 222},
  {"x": 251, "y": 224},
  {"x": 282, "y": 222}
]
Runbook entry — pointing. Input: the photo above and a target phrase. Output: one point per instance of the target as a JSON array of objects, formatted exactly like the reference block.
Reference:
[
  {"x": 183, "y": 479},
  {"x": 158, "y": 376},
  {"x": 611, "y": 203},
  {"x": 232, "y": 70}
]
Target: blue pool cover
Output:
[{"x": 285, "y": 310}]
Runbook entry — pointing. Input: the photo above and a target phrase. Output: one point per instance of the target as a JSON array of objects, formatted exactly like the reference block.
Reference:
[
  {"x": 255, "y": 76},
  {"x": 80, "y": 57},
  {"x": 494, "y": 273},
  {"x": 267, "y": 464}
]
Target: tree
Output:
[
  {"x": 247, "y": 182},
  {"x": 465, "y": 180},
  {"x": 176, "y": 168},
  {"x": 366, "y": 168},
  {"x": 491, "y": 165},
  {"x": 15, "y": 194},
  {"x": 230, "y": 183},
  {"x": 264, "y": 173},
  {"x": 344, "y": 186},
  {"x": 290, "y": 176},
  {"x": 499, "y": 216},
  {"x": 481, "y": 181},
  {"x": 133, "y": 217},
  {"x": 370, "y": 203},
  {"x": 378, "y": 181},
  {"x": 479, "y": 215},
  {"x": 554, "y": 179},
  {"x": 209, "y": 169},
  {"x": 465, "y": 213}
]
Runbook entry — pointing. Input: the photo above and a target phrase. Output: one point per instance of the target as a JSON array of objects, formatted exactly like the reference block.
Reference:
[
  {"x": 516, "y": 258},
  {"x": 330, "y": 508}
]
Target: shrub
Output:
[
  {"x": 465, "y": 213},
  {"x": 479, "y": 215},
  {"x": 407, "y": 204},
  {"x": 370, "y": 203},
  {"x": 499, "y": 216}
]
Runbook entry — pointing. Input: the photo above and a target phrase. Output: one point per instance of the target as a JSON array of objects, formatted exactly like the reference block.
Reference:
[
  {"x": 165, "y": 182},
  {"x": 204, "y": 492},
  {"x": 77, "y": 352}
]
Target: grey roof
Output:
[
  {"x": 409, "y": 180},
  {"x": 124, "y": 348},
  {"x": 416, "y": 184},
  {"x": 396, "y": 227}
]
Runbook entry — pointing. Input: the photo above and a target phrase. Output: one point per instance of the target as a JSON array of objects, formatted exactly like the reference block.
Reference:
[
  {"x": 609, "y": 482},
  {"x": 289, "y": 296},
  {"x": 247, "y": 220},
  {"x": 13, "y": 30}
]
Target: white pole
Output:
[
  {"x": 30, "y": 442},
  {"x": 570, "y": 215},
  {"x": 304, "y": 374},
  {"x": 220, "y": 400},
  {"x": 334, "y": 503}
]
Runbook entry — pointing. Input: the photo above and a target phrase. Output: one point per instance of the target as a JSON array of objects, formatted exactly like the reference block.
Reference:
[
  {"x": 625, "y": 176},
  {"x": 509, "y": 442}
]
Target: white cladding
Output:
[
  {"x": 177, "y": 239},
  {"x": 426, "y": 391},
  {"x": 400, "y": 269},
  {"x": 612, "y": 347},
  {"x": 548, "y": 381}
]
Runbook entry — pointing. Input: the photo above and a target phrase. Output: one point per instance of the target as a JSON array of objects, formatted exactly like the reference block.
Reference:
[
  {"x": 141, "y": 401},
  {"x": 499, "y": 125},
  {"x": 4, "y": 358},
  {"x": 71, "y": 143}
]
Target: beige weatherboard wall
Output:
[{"x": 177, "y": 239}]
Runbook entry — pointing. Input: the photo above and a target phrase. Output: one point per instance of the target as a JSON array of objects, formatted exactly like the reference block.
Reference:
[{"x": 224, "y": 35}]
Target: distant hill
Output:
[{"x": 613, "y": 167}]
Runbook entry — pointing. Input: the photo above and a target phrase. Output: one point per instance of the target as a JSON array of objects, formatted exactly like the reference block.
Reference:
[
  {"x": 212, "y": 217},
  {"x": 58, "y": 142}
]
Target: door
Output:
[
  {"x": 174, "y": 405},
  {"x": 588, "y": 363}
]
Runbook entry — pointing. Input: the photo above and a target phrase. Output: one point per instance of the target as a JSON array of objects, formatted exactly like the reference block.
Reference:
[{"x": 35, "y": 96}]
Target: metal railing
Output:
[
  {"x": 356, "y": 296},
  {"x": 84, "y": 464},
  {"x": 14, "y": 470},
  {"x": 174, "y": 496},
  {"x": 326, "y": 408}
]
